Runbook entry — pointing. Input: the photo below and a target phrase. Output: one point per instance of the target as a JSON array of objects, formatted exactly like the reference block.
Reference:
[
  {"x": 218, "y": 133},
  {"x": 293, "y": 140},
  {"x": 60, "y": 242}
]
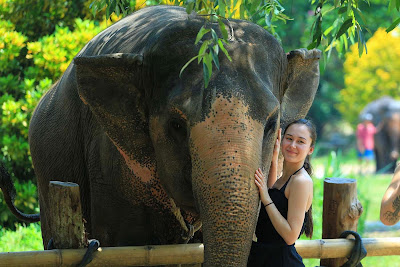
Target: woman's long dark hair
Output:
[{"x": 309, "y": 226}]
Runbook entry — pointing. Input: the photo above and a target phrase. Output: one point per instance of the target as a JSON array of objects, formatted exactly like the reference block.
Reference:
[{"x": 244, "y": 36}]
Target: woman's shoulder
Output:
[
  {"x": 302, "y": 178},
  {"x": 301, "y": 183}
]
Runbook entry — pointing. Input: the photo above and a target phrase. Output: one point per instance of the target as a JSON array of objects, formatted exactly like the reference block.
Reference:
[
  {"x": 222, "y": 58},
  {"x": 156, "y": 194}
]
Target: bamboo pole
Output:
[
  {"x": 340, "y": 247},
  {"x": 185, "y": 254},
  {"x": 110, "y": 256},
  {"x": 65, "y": 220},
  {"x": 341, "y": 211}
]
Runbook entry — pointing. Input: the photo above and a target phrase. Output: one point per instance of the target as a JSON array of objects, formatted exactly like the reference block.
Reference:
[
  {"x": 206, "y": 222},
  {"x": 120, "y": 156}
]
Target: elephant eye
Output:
[
  {"x": 177, "y": 129},
  {"x": 176, "y": 125}
]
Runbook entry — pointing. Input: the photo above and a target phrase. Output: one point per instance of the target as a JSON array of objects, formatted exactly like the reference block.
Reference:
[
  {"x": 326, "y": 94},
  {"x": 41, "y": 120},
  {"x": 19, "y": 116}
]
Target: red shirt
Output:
[{"x": 366, "y": 133}]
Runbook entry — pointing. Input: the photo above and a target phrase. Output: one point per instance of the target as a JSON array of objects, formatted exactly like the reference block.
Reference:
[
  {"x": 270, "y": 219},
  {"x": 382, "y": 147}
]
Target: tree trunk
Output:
[
  {"x": 341, "y": 211},
  {"x": 65, "y": 220}
]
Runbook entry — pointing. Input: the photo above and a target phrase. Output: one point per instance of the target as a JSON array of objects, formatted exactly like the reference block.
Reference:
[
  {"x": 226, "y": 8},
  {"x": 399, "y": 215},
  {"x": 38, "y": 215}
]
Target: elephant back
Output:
[{"x": 381, "y": 108}]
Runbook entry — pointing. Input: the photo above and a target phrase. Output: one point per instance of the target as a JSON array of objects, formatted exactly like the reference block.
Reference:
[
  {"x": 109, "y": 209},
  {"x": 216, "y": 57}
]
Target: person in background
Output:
[
  {"x": 286, "y": 210},
  {"x": 365, "y": 141},
  {"x": 390, "y": 205}
]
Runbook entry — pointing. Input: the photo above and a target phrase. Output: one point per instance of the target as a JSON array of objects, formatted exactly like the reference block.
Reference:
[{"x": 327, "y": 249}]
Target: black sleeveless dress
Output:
[{"x": 271, "y": 250}]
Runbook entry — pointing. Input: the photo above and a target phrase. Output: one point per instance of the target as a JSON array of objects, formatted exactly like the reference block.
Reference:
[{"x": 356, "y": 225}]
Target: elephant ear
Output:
[
  {"x": 301, "y": 84},
  {"x": 112, "y": 86}
]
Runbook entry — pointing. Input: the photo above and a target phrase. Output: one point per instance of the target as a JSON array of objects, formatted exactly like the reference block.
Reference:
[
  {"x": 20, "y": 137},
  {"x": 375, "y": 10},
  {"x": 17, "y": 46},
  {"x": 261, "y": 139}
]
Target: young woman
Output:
[{"x": 286, "y": 202}]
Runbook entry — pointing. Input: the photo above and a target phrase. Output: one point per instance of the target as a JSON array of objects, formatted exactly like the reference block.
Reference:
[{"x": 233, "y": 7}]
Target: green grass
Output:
[
  {"x": 370, "y": 190},
  {"x": 24, "y": 238}
]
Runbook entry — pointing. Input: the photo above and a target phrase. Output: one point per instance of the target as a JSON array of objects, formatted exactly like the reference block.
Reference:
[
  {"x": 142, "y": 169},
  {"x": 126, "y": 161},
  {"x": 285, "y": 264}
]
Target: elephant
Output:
[
  {"x": 386, "y": 114},
  {"x": 155, "y": 153}
]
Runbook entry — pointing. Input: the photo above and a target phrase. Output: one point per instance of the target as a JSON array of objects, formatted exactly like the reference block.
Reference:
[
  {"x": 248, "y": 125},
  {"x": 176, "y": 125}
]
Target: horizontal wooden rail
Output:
[
  {"x": 339, "y": 248},
  {"x": 185, "y": 254}
]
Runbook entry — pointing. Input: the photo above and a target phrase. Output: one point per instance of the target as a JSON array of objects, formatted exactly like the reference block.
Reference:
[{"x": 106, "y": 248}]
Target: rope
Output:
[
  {"x": 188, "y": 229},
  {"x": 357, "y": 253}
]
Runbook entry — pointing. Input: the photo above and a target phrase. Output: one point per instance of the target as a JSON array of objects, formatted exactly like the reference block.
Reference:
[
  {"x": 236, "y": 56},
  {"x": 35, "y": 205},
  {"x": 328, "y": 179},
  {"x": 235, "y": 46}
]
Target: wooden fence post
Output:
[
  {"x": 65, "y": 211},
  {"x": 341, "y": 211}
]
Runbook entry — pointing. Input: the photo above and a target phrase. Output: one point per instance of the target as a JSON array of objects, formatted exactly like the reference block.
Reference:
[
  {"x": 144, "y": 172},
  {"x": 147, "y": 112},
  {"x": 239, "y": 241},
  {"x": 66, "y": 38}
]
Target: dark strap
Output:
[
  {"x": 357, "y": 253},
  {"x": 92, "y": 248},
  {"x": 284, "y": 186}
]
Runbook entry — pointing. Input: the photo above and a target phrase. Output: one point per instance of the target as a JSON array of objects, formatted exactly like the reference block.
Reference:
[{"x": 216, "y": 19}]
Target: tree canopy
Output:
[{"x": 373, "y": 75}]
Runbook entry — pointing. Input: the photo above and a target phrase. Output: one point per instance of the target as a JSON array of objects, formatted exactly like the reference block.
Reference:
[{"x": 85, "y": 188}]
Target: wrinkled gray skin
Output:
[
  {"x": 147, "y": 147},
  {"x": 385, "y": 110}
]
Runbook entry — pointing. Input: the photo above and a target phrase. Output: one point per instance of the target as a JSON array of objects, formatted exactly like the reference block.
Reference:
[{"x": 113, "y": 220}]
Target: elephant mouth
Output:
[{"x": 188, "y": 206}]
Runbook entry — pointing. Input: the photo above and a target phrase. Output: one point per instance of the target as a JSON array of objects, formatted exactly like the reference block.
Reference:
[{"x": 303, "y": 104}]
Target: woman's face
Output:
[{"x": 296, "y": 143}]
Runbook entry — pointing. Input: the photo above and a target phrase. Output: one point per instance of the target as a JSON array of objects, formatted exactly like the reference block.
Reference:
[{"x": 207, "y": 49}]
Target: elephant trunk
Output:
[{"x": 226, "y": 151}]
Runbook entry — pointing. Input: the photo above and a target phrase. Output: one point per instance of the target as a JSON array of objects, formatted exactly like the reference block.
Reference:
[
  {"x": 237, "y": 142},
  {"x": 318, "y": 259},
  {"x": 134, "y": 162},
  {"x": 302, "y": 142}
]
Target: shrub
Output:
[
  {"x": 371, "y": 76},
  {"x": 47, "y": 59},
  {"x": 15, "y": 117},
  {"x": 39, "y": 18},
  {"x": 53, "y": 53},
  {"x": 11, "y": 43}
]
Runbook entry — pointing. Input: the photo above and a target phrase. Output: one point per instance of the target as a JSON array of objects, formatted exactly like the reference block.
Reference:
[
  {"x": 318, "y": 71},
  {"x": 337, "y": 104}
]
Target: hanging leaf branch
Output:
[{"x": 348, "y": 28}]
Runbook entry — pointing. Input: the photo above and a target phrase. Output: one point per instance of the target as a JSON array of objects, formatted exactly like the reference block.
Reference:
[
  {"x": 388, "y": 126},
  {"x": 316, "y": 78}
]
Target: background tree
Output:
[
  {"x": 38, "y": 39},
  {"x": 372, "y": 76}
]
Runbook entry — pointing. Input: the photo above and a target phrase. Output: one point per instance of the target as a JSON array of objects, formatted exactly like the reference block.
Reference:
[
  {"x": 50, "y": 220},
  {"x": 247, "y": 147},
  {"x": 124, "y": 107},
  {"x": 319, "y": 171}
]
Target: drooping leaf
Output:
[
  {"x": 221, "y": 46},
  {"x": 117, "y": 10},
  {"x": 208, "y": 61},
  {"x": 268, "y": 17},
  {"x": 317, "y": 36},
  {"x": 345, "y": 26},
  {"x": 215, "y": 58},
  {"x": 190, "y": 6},
  {"x": 203, "y": 49},
  {"x": 187, "y": 64},
  {"x": 223, "y": 29},
  {"x": 214, "y": 36},
  {"x": 242, "y": 10},
  {"x": 254, "y": 5},
  {"x": 360, "y": 14},
  {"x": 312, "y": 45},
  {"x": 393, "y": 25},
  {"x": 112, "y": 7},
  {"x": 221, "y": 8},
  {"x": 201, "y": 33},
  {"x": 361, "y": 42}
]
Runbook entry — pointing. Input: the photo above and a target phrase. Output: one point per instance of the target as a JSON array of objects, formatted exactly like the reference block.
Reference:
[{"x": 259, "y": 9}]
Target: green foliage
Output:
[
  {"x": 119, "y": 7},
  {"x": 15, "y": 116},
  {"x": 24, "y": 238},
  {"x": 23, "y": 84},
  {"x": 53, "y": 53},
  {"x": 37, "y": 18},
  {"x": 11, "y": 43},
  {"x": 262, "y": 12},
  {"x": 372, "y": 76},
  {"x": 25, "y": 200}
]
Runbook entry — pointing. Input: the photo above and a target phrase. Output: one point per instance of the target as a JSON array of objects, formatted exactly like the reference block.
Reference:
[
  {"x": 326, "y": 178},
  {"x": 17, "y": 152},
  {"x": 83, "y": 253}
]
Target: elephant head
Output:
[
  {"x": 386, "y": 116},
  {"x": 203, "y": 145}
]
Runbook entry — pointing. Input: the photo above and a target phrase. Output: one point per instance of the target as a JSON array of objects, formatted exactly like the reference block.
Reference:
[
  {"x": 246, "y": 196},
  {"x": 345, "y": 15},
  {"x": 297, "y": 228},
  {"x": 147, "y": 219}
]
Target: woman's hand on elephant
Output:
[
  {"x": 262, "y": 186},
  {"x": 273, "y": 169},
  {"x": 277, "y": 146}
]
